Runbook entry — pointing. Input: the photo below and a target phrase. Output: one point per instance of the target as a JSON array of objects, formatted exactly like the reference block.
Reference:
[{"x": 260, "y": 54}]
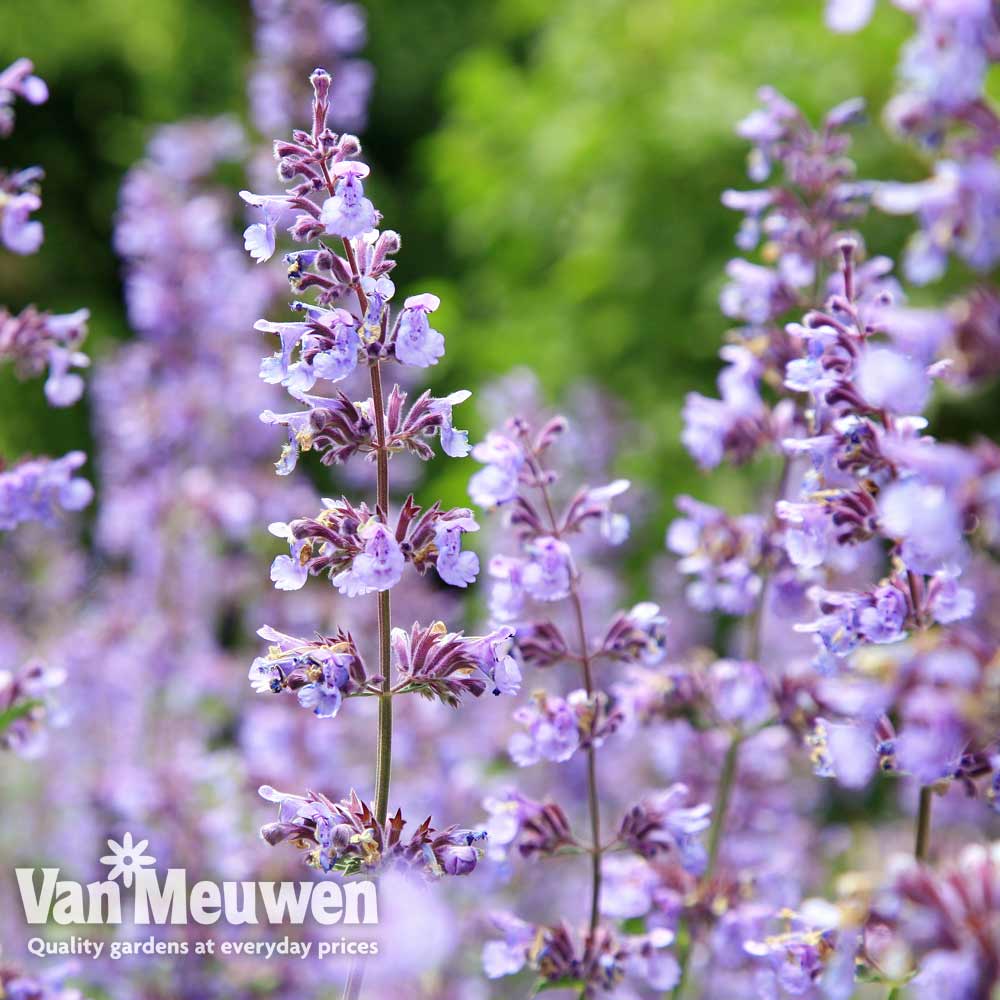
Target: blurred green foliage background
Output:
[{"x": 554, "y": 167}]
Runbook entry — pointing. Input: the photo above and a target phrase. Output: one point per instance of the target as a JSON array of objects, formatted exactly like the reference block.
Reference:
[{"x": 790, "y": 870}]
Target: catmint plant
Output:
[
  {"x": 538, "y": 594},
  {"x": 870, "y": 548},
  {"x": 344, "y": 322}
]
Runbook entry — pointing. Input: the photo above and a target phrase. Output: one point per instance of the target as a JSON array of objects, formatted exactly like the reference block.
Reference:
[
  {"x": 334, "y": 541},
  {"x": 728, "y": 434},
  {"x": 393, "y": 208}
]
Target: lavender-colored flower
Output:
[
  {"x": 638, "y": 635},
  {"x": 535, "y": 828},
  {"x": 889, "y": 381},
  {"x": 36, "y": 489},
  {"x": 595, "y": 504},
  {"x": 49, "y": 984},
  {"x": 28, "y": 708},
  {"x": 549, "y": 572},
  {"x": 19, "y": 80},
  {"x": 507, "y": 595},
  {"x": 809, "y": 532},
  {"x": 740, "y": 694},
  {"x": 454, "y": 442},
  {"x": 553, "y": 730},
  {"x": 845, "y": 751},
  {"x": 812, "y": 959},
  {"x": 348, "y": 213},
  {"x": 956, "y": 208},
  {"x": 927, "y": 522},
  {"x": 259, "y": 238},
  {"x": 288, "y": 572},
  {"x": 848, "y": 15},
  {"x": 378, "y": 566},
  {"x": 940, "y": 917},
  {"x": 453, "y": 565},
  {"x": 447, "y": 665},
  {"x": 492, "y": 653},
  {"x": 34, "y": 341},
  {"x": 721, "y": 552},
  {"x": 508, "y": 956},
  {"x": 289, "y": 40},
  {"x": 733, "y": 425},
  {"x": 19, "y": 233},
  {"x": 662, "y": 824},
  {"x": 497, "y": 483},
  {"x": 345, "y": 836},
  {"x": 948, "y": 602},
  {"x": 884, "y": 619},
  {"x": 415, "y": 342}
]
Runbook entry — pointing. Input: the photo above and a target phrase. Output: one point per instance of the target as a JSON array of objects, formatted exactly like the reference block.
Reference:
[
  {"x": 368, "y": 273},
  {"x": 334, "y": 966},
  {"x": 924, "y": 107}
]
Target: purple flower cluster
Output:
[
  {"x": 35, "y": 341},
  {"x": 36, "y": 489},
  {"x": 345, "y": 836},
  {"x": 722, "y": 553},
  {"x": 941, "y": 104}
]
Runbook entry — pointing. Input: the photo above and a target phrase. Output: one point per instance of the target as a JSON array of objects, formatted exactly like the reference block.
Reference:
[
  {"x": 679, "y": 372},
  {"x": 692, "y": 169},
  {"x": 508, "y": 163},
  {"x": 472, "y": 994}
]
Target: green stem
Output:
[
  {"x": 724, "y": 791},
  {"x": 383, "y": 753},
  {"x": 923, "y": 841},
  {"x": 383, "y": 748},
  {"x": 593, "y": 804},
  {"x": 720, "y": 808},
  {"x": 586, "y": 664}
]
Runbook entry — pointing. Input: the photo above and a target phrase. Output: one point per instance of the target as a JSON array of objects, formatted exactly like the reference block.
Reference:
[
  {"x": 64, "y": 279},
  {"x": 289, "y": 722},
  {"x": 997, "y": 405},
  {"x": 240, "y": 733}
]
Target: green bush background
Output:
[{"x": 554, "y": 168}]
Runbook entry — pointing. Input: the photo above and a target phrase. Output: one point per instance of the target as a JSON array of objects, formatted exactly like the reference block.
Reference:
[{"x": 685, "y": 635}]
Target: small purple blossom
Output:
[
  {"x": 549, "y": 572},
  {"x": 453, "y": 565},
  {"x": 348, "y": 212},
  {"x": 19, "y": 80},
  {"x": 378, "y": 566},
  {"x": 498, "y": 483},
  {"x": 19, "y": 233},
  {"x": 415, "y": 342}
]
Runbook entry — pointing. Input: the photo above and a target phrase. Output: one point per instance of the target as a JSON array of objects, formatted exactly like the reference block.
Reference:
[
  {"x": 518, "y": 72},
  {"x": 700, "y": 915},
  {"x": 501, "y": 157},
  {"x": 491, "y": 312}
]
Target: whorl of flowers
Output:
[
  {"x": 33, "y": 341},
  {"x": 347, "y": 325},
  {"x": 346, "y": 837}
]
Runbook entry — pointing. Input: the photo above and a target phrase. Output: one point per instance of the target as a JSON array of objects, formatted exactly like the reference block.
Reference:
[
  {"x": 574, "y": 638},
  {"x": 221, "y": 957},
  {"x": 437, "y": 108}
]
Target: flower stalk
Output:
[{"x": 922, "y": 843}]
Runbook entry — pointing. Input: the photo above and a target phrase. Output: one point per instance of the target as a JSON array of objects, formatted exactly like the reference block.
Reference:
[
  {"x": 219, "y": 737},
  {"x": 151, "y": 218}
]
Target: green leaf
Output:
[
  {"x": 558, "y": 984},
  {"x": 15, "y": 712}
]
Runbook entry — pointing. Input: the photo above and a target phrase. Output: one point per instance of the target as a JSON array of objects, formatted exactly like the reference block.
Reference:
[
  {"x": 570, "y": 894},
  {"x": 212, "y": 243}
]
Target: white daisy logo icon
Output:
[{"x": 126, "y": 859}]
